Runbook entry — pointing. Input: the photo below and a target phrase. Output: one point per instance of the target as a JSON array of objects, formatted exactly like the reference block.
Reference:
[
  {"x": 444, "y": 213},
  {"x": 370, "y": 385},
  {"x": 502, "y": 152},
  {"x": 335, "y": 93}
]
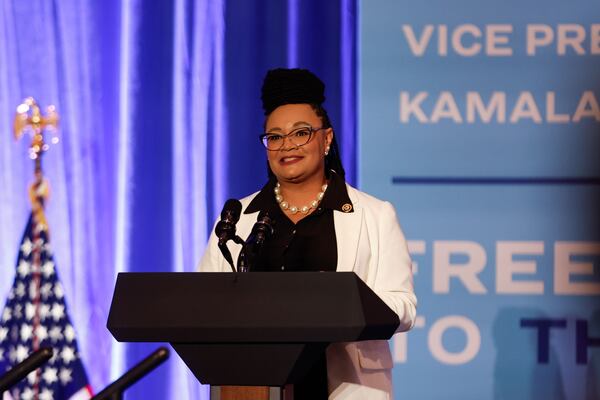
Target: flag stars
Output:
[
  {"x": 3, "y": 333},
  {"x": 69, "y": 333},
  {"x": 41, "y": 332},
  {"x": 68, "y": 354},
  {"x": 26, "y": 332},
  {"x": 24, "y": 268},
  {"x": 58, "y": 311},
  {"x": 29, "y": 311},
  {"x": 6, "y": 314},
  {"x": 20, "y": 290},
  {"x": 55, "y": 334},
  {"x": 54, "y": 355},
  {"x": 46, "y": 290},
  {"x": 21, "y": 353},
  {"x": 48, "y": 268},
  {"x": 46, "y": 394},
  {"x": 36, "y": 313},
  {"x": 50, "y": 375},
  {"x": 44, "y": 311},
  {"x": 27, "y": 394},
  {"x": 26, "y": 247},
  {"x": 58, "y": 290},
  {"x": 32, "y": 377},
  {"x": 65, "y": 376}
]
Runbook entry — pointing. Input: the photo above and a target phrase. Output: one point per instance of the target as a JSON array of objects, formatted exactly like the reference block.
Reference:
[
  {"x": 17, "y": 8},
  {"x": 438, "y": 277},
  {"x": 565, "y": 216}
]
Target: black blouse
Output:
[{"x": 309, "y": 245}]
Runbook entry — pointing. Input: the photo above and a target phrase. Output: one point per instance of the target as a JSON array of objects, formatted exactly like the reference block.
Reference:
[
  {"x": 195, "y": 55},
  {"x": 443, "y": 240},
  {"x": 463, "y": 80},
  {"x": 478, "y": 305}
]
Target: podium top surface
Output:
[{"x": 255, "y": 307}]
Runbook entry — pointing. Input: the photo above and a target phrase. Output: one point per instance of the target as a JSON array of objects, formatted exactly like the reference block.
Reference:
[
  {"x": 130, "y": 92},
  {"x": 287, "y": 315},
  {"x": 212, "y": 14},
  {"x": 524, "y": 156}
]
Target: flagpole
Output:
[
  {"x": 35, "y": 313},
  {"x": 29, "y": 118}
]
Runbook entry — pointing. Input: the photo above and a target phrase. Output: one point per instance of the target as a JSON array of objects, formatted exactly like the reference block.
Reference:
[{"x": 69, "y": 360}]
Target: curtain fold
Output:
[{"x": 160, "y": 114}]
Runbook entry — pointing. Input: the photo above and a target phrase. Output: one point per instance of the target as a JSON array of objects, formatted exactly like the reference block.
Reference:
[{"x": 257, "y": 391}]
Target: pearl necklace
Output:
[{"x": 293, "y": 209}]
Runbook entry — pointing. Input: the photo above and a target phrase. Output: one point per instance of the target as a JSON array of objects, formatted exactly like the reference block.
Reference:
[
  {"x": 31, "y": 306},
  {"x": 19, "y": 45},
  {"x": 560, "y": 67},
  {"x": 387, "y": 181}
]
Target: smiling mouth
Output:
[{"x": 290, "y": 160}]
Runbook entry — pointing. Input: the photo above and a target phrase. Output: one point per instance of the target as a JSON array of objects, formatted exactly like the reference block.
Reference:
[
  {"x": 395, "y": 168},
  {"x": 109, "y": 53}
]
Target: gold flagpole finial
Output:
[{"x": 29, "y": 118}]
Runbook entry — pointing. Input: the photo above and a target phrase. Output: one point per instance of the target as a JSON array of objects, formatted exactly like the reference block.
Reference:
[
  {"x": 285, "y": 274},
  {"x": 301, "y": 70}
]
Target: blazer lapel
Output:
[{"x": 347, "y": 232}]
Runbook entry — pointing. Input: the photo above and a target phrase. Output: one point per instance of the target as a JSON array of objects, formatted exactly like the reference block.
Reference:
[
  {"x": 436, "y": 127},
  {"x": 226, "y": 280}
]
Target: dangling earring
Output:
[{"x": 326, "y": 150}]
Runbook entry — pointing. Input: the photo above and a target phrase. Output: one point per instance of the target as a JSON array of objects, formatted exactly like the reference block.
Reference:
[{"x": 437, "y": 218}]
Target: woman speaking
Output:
[{"x": 323, "y": 224}]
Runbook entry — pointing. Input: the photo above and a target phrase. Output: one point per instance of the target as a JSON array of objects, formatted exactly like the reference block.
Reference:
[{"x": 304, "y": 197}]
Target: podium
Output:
[{"x": 248, "y": 329}]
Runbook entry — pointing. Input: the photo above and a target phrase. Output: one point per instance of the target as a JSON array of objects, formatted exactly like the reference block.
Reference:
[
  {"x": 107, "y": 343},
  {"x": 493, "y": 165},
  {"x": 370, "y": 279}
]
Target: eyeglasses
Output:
[{"x": 298, "y": 137}]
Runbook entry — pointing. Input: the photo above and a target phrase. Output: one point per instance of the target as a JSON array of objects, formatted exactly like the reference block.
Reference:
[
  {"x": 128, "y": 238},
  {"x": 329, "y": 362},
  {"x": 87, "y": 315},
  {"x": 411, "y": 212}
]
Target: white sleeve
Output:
[{"x": 394, "y": 279}]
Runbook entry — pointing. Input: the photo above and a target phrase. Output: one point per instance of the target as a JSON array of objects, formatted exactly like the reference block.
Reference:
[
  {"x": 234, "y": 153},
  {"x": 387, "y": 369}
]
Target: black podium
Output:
[{"x": 255, "y": 329}]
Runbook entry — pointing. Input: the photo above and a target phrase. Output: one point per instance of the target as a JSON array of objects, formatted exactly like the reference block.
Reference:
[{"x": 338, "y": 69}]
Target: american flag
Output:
[{"x": 35, "y": 316}]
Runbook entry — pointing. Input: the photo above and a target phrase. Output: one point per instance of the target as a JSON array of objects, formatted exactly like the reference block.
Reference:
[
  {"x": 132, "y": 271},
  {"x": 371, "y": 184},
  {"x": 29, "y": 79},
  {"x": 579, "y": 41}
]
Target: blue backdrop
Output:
[{"x": 480, "y": 121}]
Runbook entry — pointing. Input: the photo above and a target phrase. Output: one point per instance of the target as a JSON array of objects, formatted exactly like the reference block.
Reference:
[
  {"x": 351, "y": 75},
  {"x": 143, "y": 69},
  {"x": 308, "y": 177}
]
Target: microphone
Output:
[
  {"x": 230, "y": 215},
  {"x": 21, "y": 370},
  {"x": 262, "y": 230},
  {"x": 225, "y": 229},
  {"x": 115, "y": 390}
]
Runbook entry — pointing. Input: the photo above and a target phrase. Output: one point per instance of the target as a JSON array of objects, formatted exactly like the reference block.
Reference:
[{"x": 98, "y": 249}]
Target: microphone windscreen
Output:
[
  {"x": 263, "y": 226},
  {"x": 233, "y": 209}
]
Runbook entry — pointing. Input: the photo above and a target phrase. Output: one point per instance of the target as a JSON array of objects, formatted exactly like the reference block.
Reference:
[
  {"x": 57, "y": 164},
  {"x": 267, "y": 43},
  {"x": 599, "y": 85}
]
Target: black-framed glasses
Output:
[{"x": 298, "y": 137}]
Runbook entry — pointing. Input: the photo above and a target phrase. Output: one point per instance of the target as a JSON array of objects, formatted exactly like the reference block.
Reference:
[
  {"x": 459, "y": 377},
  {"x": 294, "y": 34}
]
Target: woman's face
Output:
[{"x": 292, "y": 163}]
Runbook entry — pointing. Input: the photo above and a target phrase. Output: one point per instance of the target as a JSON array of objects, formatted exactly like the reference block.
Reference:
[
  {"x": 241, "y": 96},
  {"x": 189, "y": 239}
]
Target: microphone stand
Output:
[
  {"x": 21, "y": 370},
  {"x": 227, "y": 254},
  {"x": 115, "y": 390},
  {"x": 243, "y": 264}
]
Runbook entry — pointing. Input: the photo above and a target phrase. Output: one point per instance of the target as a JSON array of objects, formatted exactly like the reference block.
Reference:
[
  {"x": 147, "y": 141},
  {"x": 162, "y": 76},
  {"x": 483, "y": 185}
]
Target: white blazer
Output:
[{"x": 370, "y": 243}]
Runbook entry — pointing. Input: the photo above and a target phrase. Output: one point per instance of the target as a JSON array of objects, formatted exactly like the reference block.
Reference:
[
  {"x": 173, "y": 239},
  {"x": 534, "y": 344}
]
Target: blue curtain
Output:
[{"x": 160, "y": 116}]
